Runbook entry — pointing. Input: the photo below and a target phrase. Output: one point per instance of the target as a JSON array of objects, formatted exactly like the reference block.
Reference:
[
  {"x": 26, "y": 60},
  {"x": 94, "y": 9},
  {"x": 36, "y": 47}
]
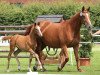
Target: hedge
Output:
[{"x": 11, "y": 14}]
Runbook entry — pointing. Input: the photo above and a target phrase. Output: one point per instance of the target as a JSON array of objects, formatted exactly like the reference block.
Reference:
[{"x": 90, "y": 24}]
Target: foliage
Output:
[
  {"x": 95, "y": 16},
  {"x": 85, "y": 51},
  {"x": 11, "y": 14}
]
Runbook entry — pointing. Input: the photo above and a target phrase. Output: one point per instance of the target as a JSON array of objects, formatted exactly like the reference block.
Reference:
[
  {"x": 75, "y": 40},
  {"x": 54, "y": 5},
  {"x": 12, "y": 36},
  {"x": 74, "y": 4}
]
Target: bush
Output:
[
  {"x": 11, "y": 14},
  {"x": 85, "y": 51}
]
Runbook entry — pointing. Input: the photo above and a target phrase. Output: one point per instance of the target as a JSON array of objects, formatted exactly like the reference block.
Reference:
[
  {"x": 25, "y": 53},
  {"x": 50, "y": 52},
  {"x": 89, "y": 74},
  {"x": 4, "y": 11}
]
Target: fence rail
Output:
[
  {"x": 5, "y": 56},
  {"x": 12, "y": 26},
  {"x": 12, "y": 32},
  {"x": 90, "y": 42},
  {"x": 52, "y": 61}
]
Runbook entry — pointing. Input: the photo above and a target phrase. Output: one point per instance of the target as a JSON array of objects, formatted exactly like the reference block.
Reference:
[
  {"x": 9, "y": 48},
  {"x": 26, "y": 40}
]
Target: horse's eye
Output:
[{"x": 36, "y": 29}]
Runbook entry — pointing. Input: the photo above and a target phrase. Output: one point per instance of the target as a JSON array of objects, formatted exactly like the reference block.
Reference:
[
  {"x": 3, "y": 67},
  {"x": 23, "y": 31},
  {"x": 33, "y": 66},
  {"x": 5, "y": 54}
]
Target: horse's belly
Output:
[
  {"x": 53, "y": 44},
  {"x": 21, "y": 46}
]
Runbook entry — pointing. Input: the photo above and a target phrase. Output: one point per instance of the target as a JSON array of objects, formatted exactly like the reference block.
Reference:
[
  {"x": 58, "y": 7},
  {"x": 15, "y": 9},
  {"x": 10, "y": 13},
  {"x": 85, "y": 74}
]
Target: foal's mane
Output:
[{"x": 28, "y": 30}]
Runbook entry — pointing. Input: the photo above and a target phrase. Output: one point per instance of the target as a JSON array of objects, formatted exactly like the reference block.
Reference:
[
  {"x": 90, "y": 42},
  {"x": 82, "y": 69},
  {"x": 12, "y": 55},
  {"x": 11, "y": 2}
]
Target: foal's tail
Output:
[{"x": 6, "y": 37}]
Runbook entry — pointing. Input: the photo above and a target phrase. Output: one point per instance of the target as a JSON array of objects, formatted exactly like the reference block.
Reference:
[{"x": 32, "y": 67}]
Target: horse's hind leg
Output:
[
  {"x": 9, "y": 56},
  {"x": 64, "y": 58},
  {"x": 30, "y": 60},
  {"x": 15, "y": 54}
]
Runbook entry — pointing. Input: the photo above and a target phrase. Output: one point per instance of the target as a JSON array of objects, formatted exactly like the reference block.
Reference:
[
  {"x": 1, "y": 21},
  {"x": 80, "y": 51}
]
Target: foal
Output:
[{"x": 24, "y": 43}]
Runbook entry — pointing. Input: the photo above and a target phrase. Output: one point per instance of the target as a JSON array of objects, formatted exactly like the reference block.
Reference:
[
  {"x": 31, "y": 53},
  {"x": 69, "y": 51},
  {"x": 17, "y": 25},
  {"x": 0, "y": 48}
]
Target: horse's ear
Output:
[
  {"x": 88, "y": 9},
  {"x": 34, "y": 24},
  {"x": 83, "y": 8}
]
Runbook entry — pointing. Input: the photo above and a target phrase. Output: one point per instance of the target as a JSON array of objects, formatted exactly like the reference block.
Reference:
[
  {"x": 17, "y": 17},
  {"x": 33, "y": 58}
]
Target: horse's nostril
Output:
[{"x": 90, "y": 27}]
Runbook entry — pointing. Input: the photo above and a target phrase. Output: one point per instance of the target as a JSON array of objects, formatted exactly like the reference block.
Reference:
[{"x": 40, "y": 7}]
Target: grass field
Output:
[{"x": 94, "y": 69}]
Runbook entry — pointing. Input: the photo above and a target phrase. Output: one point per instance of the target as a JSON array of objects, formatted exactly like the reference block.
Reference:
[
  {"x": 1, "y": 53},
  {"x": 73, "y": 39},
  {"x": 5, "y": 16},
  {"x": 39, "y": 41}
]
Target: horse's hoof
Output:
[
  {"x": 34, "y": 68},
  {"x": 30, "y": 71},
  {"x": 42, "y": 70},
  {"x": 18, "y": 69},
  {"x": 59, "y": 69},
  {"x": 80, "y": 70},
  {"x": 8, "y": 71}
]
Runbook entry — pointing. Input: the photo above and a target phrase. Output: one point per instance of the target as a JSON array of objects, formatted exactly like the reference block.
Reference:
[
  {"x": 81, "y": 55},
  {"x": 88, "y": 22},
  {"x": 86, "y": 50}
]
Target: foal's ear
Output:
[
  {"x": 88, "y": 9},
  {"x": 83, "y": 8}
]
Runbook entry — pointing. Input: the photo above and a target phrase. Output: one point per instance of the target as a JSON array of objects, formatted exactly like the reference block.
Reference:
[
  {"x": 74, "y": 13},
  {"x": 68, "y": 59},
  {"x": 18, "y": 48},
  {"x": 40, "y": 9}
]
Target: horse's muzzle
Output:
[{"x": 90, "y": 30}]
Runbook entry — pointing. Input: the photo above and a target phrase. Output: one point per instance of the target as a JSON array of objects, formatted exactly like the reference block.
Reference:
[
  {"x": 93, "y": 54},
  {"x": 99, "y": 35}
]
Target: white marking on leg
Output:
[
  {"x": 59, "y": 65},
  {"x": 19, "y": 67},
  {"x": 40, "y": 65},
  {"x": 8, "y": 70},
  {"x": 29, "y": 69}
]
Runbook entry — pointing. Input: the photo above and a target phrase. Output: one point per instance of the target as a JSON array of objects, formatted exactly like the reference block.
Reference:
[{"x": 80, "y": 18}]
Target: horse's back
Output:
[{"x": 54, "y": 30}]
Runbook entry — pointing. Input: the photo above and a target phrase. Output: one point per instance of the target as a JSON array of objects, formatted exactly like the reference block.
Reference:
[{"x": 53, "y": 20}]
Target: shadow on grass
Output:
[
  {"x": 97, "y": 70},
  {"x": 55, "y": 71}
]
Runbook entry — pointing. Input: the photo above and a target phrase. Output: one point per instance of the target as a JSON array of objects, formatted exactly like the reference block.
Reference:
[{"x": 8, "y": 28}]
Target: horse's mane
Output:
[
  {"x": 28, "y": 29},
  {"x": 74, "y": 16}
]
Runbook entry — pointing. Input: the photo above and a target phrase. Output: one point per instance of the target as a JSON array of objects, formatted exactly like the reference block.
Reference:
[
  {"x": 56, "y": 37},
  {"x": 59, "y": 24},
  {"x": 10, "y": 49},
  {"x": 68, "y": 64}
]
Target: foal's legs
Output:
[
  {"x": 41, "y": 55},
  {"x": 15, "y": 54},
  {"x": 77, "y": 58},
  {"x": 37, "y": 57},
  {"x": 64, "y": 57},
  {"x": 30, "y": 60},
  {"x": 9, "y": 55}
]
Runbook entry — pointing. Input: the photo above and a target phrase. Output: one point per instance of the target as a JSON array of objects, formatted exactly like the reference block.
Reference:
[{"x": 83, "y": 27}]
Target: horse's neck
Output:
[{"x": 75, "y": 23}]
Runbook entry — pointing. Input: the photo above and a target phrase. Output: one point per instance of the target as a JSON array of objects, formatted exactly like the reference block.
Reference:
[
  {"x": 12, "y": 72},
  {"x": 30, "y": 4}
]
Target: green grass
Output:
[{"x": 93, "y": 69}]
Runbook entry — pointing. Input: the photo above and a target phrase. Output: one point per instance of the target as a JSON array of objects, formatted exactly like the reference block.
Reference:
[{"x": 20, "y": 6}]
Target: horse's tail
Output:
[{"x": 6, "y": 37}]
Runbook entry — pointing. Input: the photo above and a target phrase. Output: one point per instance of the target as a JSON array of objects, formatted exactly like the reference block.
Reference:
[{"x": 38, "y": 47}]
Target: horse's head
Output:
[
  {"x": 85, "y": 16},
  {"x": 37, "y": 30}
]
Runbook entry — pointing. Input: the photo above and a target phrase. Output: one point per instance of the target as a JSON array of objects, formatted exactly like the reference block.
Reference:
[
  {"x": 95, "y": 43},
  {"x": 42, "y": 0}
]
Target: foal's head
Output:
[
  {"x": 85, "y": 16},
  {"x": 37, "y": 30}
]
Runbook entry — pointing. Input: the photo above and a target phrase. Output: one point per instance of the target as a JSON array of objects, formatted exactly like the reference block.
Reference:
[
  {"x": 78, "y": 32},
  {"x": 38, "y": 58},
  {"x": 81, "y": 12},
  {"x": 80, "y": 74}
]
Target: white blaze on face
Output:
[
  {"x": 39, "y": 30},
  {"x": 88, "y": 20},
  {"x": 81, "y": 13}
]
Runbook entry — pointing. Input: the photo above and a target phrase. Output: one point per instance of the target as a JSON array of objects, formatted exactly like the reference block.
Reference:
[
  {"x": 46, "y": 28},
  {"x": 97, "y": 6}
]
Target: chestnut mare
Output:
[
  {"x": 24, "y": 43},
  {"x": 63, "y": 35}
]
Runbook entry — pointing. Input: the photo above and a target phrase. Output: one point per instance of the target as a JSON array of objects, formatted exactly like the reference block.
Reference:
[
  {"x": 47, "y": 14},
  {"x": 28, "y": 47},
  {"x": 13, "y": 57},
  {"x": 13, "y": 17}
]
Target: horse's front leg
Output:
[
  {"x": 64, "y": 57},
  {"x": 77, "y": 58}
]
